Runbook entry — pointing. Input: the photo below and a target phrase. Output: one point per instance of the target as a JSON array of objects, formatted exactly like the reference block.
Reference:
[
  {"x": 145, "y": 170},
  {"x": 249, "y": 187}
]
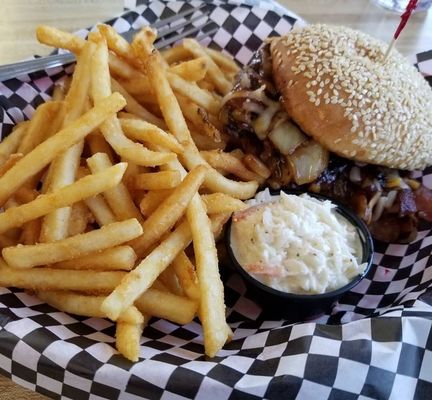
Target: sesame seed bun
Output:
[{"x": 335, "y": 86}]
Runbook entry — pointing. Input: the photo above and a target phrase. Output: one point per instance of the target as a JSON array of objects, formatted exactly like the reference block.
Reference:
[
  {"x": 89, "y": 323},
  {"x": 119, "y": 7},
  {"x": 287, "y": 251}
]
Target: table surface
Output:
[{"x": 18, "y": 19}]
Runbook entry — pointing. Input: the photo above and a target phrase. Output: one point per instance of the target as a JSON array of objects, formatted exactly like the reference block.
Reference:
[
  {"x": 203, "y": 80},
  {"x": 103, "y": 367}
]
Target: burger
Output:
[{"x": 326, "y": 111}]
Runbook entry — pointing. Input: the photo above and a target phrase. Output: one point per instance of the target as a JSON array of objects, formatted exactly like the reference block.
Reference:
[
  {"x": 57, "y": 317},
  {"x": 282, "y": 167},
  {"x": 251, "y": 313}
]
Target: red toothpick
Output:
[{"x": 404, "y": 19}]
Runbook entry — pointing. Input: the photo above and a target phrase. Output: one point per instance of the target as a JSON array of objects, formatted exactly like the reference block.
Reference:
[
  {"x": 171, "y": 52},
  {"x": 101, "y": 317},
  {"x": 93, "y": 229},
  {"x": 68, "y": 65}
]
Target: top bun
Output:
[{"x": 335, "y": 86}]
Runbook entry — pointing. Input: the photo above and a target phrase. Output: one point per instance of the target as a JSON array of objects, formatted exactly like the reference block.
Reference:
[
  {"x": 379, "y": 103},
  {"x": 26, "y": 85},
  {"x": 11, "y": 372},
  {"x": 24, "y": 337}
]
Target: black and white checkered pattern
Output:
[{"x": 375, "y": 344}]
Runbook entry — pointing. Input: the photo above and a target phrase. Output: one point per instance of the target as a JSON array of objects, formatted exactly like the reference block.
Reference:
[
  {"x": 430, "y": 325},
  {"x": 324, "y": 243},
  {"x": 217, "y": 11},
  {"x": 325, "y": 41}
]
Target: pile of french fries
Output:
[{"x": 113, "y": 195}]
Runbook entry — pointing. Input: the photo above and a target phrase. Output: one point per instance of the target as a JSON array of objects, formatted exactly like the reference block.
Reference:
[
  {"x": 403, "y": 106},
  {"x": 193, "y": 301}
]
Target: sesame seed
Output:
[{"x": 342, "y": 67}]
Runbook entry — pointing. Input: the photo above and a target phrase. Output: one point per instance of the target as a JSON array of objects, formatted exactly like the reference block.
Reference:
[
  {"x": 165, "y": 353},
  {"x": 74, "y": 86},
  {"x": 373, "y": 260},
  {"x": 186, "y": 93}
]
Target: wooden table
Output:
[{"x": 18, "y": 19}]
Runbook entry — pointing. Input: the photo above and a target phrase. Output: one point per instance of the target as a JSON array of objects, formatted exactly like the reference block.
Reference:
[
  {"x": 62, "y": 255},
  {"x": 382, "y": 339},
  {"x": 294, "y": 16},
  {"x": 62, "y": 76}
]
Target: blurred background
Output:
[{"x": 18, "y": 19}]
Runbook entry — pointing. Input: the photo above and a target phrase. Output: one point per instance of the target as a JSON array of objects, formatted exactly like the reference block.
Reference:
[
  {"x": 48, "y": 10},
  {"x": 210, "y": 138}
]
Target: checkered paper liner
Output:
[{"x": 375, "y": 344}]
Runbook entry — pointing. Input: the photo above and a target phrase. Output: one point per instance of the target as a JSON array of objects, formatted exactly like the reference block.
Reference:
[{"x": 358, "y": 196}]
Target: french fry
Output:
[
  {"x": 192, "y": 91},
  {"x": 113, "y": 259},
  {"x": 111, "y": 128},
  {"x": 10, "y": 143},
  {"x": 95, "y": 37},
  {"x": 118, "y": 197},
  {"x": 177, "y": 126},
  {"x": 136, "y": 282},
  {"x": 64, "y": 40},
  {"x": 59, "y": 279},
  {"x": 129, "y": 150},
  {"x": 168, "y": 103},
  {"x": 73, "y": 303},
  {"x": 185, "y": 271},
  {"x": 212, "y": 306},
  {"x": 177, "y": 309},
  {"x": 171, "y": 103},
  {"x": 145, "y": 132},
  {"x": 176, "y": 54},
  {"x": 117, "y": 43},
  {"x": 216, "y": 203},
  {"x": 100, "y": 210},
  {"x": 128, "y": 335},
  {"x": 229, "y": 163},
  {"x": 131, "y": 321},
  {"x": 57, "y": 38},
  {"x": 134, "y": 107},
  {"x": 142, "y": 44},
  {"x": 153, "y": 302},
  {"x": 152, "y": 200},
  {"x": 42, "y": 205},
  {"x": 121, "y": 69},
  {"x": 138, "y": 87},
  {"x": 75, "y": 99},
  {"x": 63, "y": 169},
  {"x": 169, "y": 211},
  {"x": 80, "y": 304},
  {"x": 10, "y": 162},
  {"x": 29, "y": 256},
  {"x": 44, "y": 153},
  {"x": 223, "y": 60},
  {"x": 37, "y": 129},
  {"x": 214, "y": 72},
  {"x": 97, "y": 204},
  {"x": 192, "y": 70},
  {"x": 157, "y": 180}
]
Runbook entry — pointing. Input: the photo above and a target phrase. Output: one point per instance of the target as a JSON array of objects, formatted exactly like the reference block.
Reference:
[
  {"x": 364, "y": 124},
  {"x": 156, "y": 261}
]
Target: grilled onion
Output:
[
  {"x": 286, "y": 137},
  {"x": 308, "y": 162}
]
